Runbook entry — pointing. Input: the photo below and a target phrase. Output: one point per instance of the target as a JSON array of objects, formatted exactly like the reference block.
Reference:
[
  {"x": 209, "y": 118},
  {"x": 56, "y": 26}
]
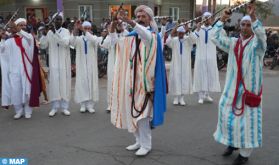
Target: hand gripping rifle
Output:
[
  {"x": 116, "y": 13},
  {"x": 195, "y": 19},
  {"x": 52, "y": 19},
  {"x": 234, "y": 9}
]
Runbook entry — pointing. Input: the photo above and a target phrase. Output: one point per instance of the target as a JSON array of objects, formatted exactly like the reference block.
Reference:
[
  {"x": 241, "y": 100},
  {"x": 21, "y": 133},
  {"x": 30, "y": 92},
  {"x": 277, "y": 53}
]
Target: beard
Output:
[
  {"x": 141, "y": 23},
  {"x": 118, "y": 31},
  {"x": 245, "y": 34},
  {"x": 207, "y": 23},
  {"x": 58, "y": 25}
]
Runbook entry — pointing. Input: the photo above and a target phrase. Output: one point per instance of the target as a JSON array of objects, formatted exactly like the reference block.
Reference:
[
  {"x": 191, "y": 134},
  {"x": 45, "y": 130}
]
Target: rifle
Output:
[
  {"x": 195, "y": 19},
  {"x": 119, "y": 9},
  {"x": 53, "y": 18},
  {"x": 12, "y": 17},
  {"x": 234, "y": 9}
]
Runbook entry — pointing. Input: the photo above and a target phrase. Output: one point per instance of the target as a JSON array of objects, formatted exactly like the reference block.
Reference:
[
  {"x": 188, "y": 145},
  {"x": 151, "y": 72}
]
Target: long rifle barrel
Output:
[
  {"x": 162, "y": 17},
  {"x": 195, "y": 19},
  {"x": 120, "y": 8},
  {"x": 53, "y": 18},
  {"x": 234, "y": 9},
  {"x": 12, "y": 17}
]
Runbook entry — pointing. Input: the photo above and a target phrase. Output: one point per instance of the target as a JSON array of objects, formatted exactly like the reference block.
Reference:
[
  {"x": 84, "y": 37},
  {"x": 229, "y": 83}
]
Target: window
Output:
[
  {"x": 85, "y": 11},
  {"x": 174, "y": 12}
]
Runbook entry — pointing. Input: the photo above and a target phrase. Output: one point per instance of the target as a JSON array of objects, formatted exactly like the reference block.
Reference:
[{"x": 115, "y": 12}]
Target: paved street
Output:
[{"x": 90, "y": 139}]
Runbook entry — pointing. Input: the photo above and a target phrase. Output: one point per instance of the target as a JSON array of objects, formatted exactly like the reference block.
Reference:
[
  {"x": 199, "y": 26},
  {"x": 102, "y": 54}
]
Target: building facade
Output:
[
  {"x": 95, "y": 10},
  {"x": 100, "y": 9}
]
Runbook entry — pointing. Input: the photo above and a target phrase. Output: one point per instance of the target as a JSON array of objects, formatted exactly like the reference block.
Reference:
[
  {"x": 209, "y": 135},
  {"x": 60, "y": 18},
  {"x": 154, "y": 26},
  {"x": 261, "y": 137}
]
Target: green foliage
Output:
[{"x": 263, "y": 9}]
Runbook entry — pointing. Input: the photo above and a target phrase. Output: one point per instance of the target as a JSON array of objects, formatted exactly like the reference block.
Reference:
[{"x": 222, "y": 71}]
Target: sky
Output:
[{"x": 221, "y": 1}]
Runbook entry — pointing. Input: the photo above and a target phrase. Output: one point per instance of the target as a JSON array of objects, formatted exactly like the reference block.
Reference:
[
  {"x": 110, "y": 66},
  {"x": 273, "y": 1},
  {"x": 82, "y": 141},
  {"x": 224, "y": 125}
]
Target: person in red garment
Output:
[
  {"x": 23, "y": 66},
  {"x": 240, "y": 107}
]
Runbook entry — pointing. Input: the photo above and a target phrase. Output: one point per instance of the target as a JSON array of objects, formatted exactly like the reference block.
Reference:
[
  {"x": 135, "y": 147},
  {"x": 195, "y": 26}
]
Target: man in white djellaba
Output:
[
  {"x": 86, "y": 88},
  {"x": 115, "y": 36},
  {"x": 57, "y": 41},
  {"x": 206, "y": 75},
  {"x": 18, "y": 71},
  {"x": 4, "y": 63},
  {"x": 180, "y": 69}
]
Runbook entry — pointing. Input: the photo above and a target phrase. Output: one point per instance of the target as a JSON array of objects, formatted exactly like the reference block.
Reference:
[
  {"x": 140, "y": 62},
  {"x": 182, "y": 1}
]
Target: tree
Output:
[{"x": 263, "y": 9}]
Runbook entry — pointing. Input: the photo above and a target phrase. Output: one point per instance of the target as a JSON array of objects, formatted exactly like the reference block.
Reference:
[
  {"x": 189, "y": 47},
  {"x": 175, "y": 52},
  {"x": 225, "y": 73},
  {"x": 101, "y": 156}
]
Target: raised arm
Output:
[
  {"x": 163, "y": 32},
  {"x": 63, "y": 38},
  {"x": 258, "y": 30},
  {"x": 219, "y": 38},
  {"x": 192, "y": 37},
  {"x": 28, "y": 37},
  {"x": 73, "y": 40},
  {"x": 169, "y": 41},
  {"x": 112, "y": 38},
  {"x": 144, "y": 33},
  {"x": 92, "y": 38},
  {"x": 260, "y": 34},
  {"x": 75, "y": 34}
]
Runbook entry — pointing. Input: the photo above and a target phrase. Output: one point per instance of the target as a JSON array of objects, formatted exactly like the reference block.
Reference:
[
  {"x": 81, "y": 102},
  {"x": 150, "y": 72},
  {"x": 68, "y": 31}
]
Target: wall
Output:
[{"x": 13, "y": 5}]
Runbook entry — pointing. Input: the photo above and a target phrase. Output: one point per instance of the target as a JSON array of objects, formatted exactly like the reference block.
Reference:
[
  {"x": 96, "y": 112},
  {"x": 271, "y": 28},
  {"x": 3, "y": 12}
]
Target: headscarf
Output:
[
  {"x": 19, "y": 20},
  {"x": 206, "y": 15},
  {"x": 181, "y": 29},
  {"x": 246, "y": 18},
  {"x": 86, "y": 24},
  {"x": 149, "y": 11}
]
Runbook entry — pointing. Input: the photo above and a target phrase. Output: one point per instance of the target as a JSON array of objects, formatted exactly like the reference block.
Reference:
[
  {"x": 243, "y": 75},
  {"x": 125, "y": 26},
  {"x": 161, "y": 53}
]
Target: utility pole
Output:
[
  {"x": 214, "y": 6},
  {"x": 209, "y": 5}
]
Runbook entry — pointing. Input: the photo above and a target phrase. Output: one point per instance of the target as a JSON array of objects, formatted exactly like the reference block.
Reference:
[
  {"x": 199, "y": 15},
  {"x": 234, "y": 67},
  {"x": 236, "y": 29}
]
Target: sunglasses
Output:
[{"x": 246, "y": 24}]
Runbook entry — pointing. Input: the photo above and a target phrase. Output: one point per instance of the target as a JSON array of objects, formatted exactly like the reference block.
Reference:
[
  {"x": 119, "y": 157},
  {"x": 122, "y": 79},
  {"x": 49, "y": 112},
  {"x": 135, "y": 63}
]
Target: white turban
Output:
[
  {"x": 19, "y": 20},
  {"x": 149, "y": 11},
  {"x": 86, "y": 24},
  {"x": 246, "y": 18},
  {"x": 181, "y": 29},
  {"x": 206, "y": 14},
  {"x": 41, "y": 28}
]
